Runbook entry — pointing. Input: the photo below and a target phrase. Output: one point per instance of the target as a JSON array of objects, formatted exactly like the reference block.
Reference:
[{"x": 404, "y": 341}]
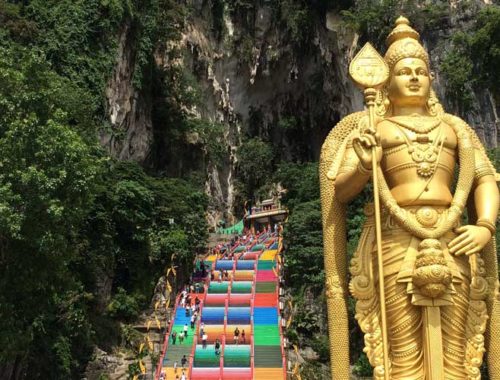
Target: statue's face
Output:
[{"x": 410, "y": 82}]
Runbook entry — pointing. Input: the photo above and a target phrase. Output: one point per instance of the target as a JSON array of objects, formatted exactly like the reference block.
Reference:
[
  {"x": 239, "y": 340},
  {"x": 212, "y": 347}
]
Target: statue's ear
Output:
[{"x": 432, "y": 75}]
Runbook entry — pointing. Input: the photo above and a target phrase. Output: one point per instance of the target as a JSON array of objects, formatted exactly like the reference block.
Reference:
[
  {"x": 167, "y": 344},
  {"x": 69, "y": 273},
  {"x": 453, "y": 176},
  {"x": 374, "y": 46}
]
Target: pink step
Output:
[
  {"x": 237, "y": 374},
  {"x": 266, "y": 275},
  {"x": 205, "y": 373}
]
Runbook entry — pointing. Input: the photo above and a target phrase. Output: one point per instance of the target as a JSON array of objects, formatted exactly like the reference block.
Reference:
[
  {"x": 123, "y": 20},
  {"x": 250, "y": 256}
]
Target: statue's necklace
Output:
[
  {"x": 422, "y": 150},
  {"x": 406, "y": 219},
  {"x": 418, "y": 125}
]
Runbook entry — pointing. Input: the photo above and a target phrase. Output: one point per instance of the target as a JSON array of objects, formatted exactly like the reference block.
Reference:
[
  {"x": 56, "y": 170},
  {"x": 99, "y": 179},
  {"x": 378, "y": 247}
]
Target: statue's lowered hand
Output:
[{"x": 471, "y": 239}]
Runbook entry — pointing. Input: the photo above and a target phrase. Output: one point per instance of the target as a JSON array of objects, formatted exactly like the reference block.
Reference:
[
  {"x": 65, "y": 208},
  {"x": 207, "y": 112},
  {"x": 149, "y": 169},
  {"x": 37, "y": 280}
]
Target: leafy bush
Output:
[
  {"x": 72, "y": 219},
  {"x": 321, "y": 345},
  {"x": 297, "y": 19},
  {"x": 375, "y": 19},
  {"x": 362, "y": 367},
  {"x": 123, "y": 306},
  {"x": 255, "y": 163},
  {"x": 457, "y": 68},
  {"x": 473, "y": 59},
  {"x": 301, "y": 182},
  {"x": 304, "y": 238}
]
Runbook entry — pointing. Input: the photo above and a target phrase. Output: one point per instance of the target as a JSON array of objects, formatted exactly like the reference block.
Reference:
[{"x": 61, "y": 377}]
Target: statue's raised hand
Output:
[{"x": 363, "y": 146}]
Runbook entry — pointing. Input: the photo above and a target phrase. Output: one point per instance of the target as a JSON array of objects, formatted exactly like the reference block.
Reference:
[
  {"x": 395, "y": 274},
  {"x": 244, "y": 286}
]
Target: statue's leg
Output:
[
  {"x": 404, "y": 320},
  {"x": 453, "y": 319},
  {"x": 405, "y": 332}
]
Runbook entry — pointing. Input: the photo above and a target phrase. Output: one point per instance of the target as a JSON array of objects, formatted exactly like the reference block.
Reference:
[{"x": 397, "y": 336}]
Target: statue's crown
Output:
[{"x": 404, "y": 42}]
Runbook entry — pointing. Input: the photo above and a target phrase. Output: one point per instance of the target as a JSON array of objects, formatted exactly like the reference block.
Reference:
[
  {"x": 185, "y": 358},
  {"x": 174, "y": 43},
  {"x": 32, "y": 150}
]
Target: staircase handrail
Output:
[
  {"x": 252, "y": 356},
  {"x": 226, "y": 311},
  {"x": 283, "y": 353},
  {"x": 221, "y": 359},
  {"x": 191, "y": 356},
  {"x": 167, "y": 337}
]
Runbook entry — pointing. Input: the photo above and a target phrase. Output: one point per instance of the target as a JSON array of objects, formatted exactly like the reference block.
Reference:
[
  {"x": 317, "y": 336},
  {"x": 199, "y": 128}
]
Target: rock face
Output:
[
  {"x": 257, "y": 79},
  {"x": 130, "y": 134}
]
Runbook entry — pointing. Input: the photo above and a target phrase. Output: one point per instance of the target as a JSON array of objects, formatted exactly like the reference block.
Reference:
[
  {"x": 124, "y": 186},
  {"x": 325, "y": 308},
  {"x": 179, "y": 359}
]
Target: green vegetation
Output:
[
  {"x": 297, "y": 19},
  {"x": 303, "y": 234},
  {"x": 363, "y": 367},
  {"x": 83, "y": 237},
  {"x": 254, "y": 168},
  {"x": 375, "y": 19},
  {"x": 473, "y": 59},
  {"x": 71, "y": 218},
  {"x": 458, "y": 71}
]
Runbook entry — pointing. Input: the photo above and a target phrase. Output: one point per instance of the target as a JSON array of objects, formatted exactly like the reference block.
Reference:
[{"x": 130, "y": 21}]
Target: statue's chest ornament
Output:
[{"x": 423, "y": 150}]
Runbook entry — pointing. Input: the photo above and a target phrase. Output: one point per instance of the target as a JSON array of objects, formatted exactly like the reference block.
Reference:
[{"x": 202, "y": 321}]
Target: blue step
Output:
[
  {"x": 180, "y": 316},
  {"x": 265, "y": 315},
  {"x": 245, "y": 264},
  {"x": 213, "y": 315},
  {"x": 238, "y": 315},
  {"x": 224, "y": 264}
]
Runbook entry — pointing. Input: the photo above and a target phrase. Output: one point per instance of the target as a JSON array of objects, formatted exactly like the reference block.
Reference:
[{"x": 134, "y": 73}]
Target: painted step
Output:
[
  {"x": 265, "y": 300},
  {"x": 206, "y": 357},
  {"x": 237, "y": 356},
  {"x": 265, "y": 286},
  {"x": 205, "y": 374},
  {"x": 268, "y": 374},
  {"x": 266, "y": 275},
  {"x": 266, "y": 335},
  {"x": 175, "y": 353},
  {"x": 265, "y": 315},
  {"x": 266, "y": 264},
  {"x": 236, "y": 374},
  {"x": 268, "y": 356}
]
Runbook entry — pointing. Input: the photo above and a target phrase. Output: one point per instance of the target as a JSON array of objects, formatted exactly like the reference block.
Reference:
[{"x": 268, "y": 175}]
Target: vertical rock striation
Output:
[{"x": 257, "y": 79}]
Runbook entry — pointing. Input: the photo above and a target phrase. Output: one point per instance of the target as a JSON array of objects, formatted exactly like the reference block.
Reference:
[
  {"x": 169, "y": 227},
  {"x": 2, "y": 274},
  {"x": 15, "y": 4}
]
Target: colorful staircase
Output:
[{"x": 248, "y": 300}]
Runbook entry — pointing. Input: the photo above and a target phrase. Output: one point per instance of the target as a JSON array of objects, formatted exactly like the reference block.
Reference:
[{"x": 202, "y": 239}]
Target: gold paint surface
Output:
[{"x": 427, "y": 294}]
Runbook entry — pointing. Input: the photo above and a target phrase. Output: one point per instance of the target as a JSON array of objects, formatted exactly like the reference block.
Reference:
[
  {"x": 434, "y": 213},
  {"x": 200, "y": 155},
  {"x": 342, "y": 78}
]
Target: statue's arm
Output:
[
  {"x": 486, "y": 197},
  {"x": 473, "y": 238},
  {"x": 352, "y": 176}
]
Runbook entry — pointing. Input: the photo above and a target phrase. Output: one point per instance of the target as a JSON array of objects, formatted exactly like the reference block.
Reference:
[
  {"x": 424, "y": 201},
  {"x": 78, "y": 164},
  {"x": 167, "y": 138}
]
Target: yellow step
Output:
[
  {"x": 170, "y": 374},
  {"x": 269, "y": 254},
  {"x": 268, "y": 373}
]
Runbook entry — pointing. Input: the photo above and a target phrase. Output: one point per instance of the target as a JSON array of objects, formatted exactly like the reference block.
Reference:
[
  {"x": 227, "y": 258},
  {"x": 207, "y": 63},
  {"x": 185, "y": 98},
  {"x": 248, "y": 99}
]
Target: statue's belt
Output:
[{"x": 401, "y": 249}]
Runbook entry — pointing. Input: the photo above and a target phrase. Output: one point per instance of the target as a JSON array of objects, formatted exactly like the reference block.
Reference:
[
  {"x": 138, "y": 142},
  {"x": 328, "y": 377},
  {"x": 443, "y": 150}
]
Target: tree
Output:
[
  {"x": 304, "y": 238},
  {"x": 255, "y": 163},
  {"x": 47, "y": 172}
]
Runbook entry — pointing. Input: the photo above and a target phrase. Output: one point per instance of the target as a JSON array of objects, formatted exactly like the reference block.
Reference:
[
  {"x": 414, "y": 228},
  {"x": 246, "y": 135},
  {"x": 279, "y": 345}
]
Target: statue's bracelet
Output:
[
  {"x": 363, "y": 170},
  {"x": 487, "y": 224}
]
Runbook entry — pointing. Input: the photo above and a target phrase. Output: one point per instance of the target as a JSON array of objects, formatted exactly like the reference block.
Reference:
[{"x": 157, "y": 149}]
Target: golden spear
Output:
[{"x": 369, "y": 71}]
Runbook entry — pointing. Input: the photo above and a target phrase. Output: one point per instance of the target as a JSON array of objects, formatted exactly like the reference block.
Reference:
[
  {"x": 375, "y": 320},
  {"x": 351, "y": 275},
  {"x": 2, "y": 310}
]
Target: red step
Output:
[{"x": 265, "y": 300}]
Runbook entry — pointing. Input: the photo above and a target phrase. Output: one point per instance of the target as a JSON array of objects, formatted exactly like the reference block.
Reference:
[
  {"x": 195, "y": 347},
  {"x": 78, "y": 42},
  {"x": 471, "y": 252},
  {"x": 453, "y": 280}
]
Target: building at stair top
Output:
[{"x": 247, "y": 300}]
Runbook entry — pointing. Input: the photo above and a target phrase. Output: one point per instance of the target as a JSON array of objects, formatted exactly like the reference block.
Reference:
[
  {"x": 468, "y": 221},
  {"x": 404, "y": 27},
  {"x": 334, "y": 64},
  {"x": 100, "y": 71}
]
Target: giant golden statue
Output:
[{"x": 437, "y": 309}]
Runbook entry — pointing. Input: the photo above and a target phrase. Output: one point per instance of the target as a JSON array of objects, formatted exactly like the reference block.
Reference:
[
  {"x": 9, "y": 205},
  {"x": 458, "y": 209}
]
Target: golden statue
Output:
[{"x": 425, "y": 281}]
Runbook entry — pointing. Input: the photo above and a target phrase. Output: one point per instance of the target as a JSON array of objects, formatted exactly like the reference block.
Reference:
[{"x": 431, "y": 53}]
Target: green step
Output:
[
  {"x": 218, "y": 287},
  {"x": 237, "y": 356},
  {"x": 258, "y": 247},
  {"x": 187, "y": 341},
  {"x": 265, "y": 264},
  {"x": 205, "y": 357},
  {"x": 266, "y": 287},
  {"x": 175, "y": 353},
  {"x": 268, "y": 357},
  {"x": 242, "y": 287},
  {"x": 266, "y": 335}
]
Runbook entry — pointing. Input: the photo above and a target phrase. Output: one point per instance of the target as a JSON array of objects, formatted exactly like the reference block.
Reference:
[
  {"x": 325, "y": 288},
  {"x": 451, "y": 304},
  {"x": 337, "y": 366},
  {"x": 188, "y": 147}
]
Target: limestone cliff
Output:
[{"x": 262, "y": 74}]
